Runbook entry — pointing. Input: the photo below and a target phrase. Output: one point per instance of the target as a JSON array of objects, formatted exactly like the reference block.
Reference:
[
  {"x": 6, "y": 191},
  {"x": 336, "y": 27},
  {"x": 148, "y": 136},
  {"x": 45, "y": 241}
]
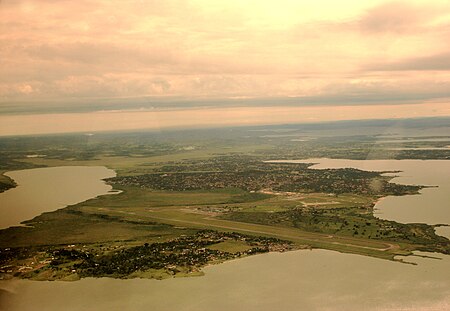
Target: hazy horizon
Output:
[{"x": 94, "y": 66}]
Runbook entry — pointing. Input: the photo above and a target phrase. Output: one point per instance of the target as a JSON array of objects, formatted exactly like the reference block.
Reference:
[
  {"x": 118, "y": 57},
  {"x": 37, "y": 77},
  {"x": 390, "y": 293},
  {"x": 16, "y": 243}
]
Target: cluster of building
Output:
[
  {"x": 259, "y": 175},
  {"x": 187, "y": 252}
]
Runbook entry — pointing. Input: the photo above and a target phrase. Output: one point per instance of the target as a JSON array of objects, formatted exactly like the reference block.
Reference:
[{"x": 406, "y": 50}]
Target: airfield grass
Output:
[
  {"x": 183, "y": 211},
  {"x": 231, "y": 246},
  {"x": 65, "y": 226},
  {"x": 138, "y": 216}
]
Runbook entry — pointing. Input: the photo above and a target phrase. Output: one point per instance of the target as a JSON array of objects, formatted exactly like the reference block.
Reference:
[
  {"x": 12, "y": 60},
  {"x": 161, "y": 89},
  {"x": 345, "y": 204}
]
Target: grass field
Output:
[
  {"x": 136, "y": 216},
  {"x": 231, "y": 246},
  {"x": 185, "y": 211}
]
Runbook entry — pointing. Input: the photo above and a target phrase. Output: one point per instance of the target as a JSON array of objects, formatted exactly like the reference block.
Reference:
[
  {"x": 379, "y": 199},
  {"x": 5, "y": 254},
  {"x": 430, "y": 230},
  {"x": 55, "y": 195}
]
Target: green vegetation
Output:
[
  {"x": 185, "y": 254},
  {"x": 196, "y": 197},
  {"x": 6, "y": 183}
]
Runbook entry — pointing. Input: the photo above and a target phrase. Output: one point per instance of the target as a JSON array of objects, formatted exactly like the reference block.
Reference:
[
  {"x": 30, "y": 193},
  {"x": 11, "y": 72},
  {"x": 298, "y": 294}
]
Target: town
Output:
[
  {"x": 185, "y": 254},
  {"x": 255, "y": 175}
]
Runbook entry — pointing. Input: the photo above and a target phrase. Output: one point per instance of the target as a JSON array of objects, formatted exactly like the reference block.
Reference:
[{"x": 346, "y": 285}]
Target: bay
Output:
[
  {"x": 300, "y": 280},
  {"x": 47, "y": 189}
]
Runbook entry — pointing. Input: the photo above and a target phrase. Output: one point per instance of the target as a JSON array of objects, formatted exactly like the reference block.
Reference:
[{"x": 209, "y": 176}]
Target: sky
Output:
[{"x": 186, "y": 63}]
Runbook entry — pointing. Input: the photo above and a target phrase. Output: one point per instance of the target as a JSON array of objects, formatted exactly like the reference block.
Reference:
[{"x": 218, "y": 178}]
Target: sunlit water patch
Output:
[
  {"x": 48, "y": 189},
  {"x": 300, "y": 280}
]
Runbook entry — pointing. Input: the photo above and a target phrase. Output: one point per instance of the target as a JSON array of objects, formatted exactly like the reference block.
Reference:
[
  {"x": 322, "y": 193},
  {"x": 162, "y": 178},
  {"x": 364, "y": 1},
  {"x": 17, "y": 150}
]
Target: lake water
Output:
[
  {"x": 432, "y": 206},
  {"x": 413, "y": 140},
  {"x": 300, "y": 280},
  {"x": 48, "y": 189},
  {"x": 419, "y": 148}
]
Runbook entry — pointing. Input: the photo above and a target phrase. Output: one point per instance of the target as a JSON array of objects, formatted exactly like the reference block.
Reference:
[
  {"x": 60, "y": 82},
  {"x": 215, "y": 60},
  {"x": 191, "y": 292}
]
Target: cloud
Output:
[
  {"x": 440, "y": 62},
  {"x": 398, "y": 17},
  {"x": 76, "y": 53},
  {"x": 389, "y": 17}
]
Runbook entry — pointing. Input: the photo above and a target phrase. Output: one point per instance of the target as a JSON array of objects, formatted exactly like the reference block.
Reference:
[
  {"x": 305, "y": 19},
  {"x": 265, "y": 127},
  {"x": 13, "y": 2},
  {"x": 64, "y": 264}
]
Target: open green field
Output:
[
  {"x": 231, "y": 246},
  {"x": 136, "y": 215}
]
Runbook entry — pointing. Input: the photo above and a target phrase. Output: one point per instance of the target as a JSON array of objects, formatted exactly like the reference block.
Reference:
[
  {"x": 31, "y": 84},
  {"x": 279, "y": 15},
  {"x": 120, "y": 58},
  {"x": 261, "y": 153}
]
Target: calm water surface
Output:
[
  {"x": 48, "y": 189},
  {"x": 301, "y": 280},
  {"x": 413, "y": 140}
]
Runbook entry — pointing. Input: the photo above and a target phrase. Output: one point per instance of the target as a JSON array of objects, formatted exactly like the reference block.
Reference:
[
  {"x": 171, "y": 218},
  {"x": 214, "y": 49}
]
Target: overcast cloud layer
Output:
[{"x": 131, "y": 54}]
